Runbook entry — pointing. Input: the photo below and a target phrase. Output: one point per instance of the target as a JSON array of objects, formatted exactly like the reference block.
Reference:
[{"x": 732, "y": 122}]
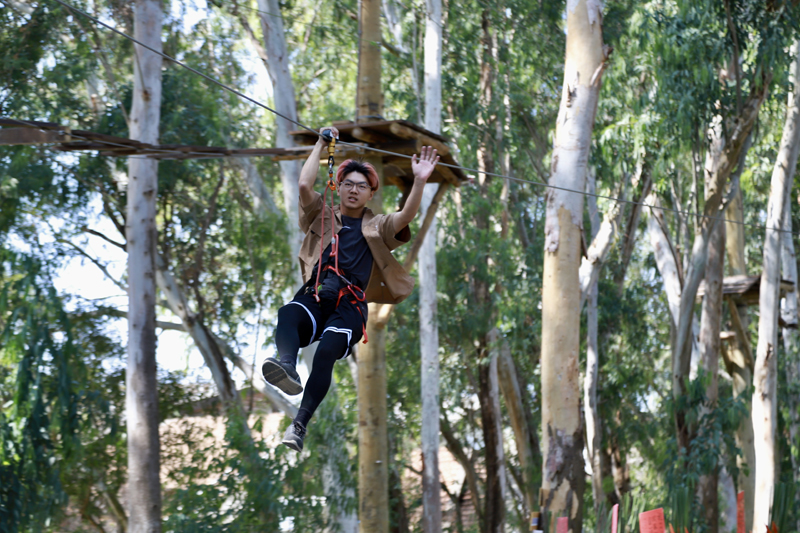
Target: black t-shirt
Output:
[{"x": 355, "y": 257}]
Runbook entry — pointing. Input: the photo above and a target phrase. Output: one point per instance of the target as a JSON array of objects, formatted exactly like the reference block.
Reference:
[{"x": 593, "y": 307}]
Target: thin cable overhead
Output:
[{"x": 315, "y": 132}]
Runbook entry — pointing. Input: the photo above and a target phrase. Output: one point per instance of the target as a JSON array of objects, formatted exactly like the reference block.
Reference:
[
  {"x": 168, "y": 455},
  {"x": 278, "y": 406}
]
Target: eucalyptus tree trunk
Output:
[
  {"x": 722, "y": 158},
  {"x": 790, "y": 341},
  {"x": 491, "y": 421},
  {"x": 563, "y": 474},
  {"x": 710, "y": 326},
  {"x": 373, "y": 458},
  {"x": 603, "y": 235},
  {"x": 429, "y": 328},
  {"x": 275, "y": 55},
  {"x": 486, "y": 353},
  {"x": 765, "y": 375},
  {"x": 141, "y": 400},
  {"x": 668, "y": 261},
  {"x": 204, "y": 341},
  {"x": 593, "y": 431},
  {"x": 739, "y": 359},
  {"x": 524, "y": 434}
]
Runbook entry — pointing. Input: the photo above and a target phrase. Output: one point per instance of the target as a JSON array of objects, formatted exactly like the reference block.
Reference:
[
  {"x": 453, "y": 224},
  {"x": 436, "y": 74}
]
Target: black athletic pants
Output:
[{"x": 304, "y": 321}]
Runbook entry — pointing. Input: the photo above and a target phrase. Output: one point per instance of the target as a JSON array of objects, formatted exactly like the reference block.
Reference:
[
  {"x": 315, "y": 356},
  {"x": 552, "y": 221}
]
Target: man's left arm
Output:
[{"x": 422, "y": 167}]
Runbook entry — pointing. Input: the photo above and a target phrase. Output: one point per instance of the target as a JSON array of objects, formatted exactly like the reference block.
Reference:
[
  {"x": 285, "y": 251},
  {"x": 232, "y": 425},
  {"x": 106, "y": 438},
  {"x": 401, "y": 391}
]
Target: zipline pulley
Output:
[{"x": 326, "y": 134}]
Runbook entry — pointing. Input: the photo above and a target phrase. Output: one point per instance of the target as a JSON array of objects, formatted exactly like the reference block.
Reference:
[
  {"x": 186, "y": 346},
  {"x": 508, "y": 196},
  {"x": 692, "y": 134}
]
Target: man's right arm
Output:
[{"x": 308, "y": 176}]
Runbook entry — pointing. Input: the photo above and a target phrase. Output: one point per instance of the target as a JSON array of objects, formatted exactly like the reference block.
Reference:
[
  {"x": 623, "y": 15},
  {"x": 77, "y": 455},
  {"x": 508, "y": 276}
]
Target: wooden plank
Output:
[
  {"x": 367, "y": 136},
  {"x": 28, "y": 136},
  {"x": 742, "y": 336},
  {"x": 29, "y": 124},
  {"x": 405, "y": 132}
]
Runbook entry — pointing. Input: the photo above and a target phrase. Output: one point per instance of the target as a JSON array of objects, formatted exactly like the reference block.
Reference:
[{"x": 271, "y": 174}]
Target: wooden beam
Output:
[
  {"x": 405, "y": 132},
  {"x": 368, "y": 136},
  {"x": 741, "y": 335},
  {"x": 27, "y": 136}
]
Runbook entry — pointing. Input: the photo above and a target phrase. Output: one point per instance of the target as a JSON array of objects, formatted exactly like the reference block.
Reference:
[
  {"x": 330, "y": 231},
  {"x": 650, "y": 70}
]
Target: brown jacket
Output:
[{"x": 389, "y": 283}]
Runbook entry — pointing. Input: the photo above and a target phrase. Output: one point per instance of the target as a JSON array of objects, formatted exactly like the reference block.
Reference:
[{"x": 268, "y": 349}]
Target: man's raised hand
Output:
[
  {"x": 424, "y": 165},
  {"x": 334, "y": 133}
]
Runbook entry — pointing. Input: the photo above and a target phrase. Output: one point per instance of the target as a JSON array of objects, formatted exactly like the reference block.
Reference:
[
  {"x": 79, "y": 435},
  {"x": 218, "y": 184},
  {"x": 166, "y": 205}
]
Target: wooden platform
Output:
[
  {"x": 397, "y": 136},
  {"x": 744, "y": 290}
]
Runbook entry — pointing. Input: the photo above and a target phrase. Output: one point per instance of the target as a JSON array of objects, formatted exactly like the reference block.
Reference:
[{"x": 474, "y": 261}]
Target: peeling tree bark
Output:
[
  {"x": 563, "y": 476},
  {"x": 141, "y": 395},
  {"x": 765, "y": 377}
]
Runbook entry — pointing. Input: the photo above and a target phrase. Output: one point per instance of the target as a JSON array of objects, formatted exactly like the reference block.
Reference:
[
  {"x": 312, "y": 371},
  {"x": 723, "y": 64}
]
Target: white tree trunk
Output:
[
  {"x": 603, "y": 235},
  {"x": 667, "y": 262},
  {"x": 727, "y": 491},
  {"x": 563, "y": 477},
  {"x": 509, "y": 385},
  {"x": 262, "y": 199},
  {"x": 739, "y": 361},
  {"x": 429, "y": 329},
  {"x": 710, "y": 326},
  {"x": 494, "y": 393},
  {"x": 591, "y": 377},
  {"x": 721, "y": 160},
  {"x": 141, "y": 400},
  {"x": 790, "y": 339},
  {"x": 765, "y": 375},
  {"x": 277, "y": 61}
]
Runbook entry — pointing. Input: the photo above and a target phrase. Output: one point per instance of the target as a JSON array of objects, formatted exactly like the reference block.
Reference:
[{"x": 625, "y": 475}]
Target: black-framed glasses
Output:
[{"x": 348, "y": 185}]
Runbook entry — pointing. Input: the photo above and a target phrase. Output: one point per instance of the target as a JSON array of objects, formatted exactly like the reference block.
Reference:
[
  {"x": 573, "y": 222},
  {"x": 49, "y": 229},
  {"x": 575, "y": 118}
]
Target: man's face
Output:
[{"x": 354, "y": 191}]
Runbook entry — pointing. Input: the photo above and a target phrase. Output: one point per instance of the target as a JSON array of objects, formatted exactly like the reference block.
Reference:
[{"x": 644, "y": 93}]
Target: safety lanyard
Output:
[{"x": 334, "y": 242}]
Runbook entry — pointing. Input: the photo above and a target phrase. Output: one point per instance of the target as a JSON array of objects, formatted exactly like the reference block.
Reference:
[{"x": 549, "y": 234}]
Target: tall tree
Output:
[
  {"x": 144, "y": 485},
  {"x": 487, "y": 351},
  {"x": 790, "y": 339},
  {"x": 765, "y": 375},
  {"x": 563, "y": 477},
  {"x": 710, "y": 326},
  {"x": 739, "y": 359},
  {"x": 429, "y": 328},
  {"x": 373, "y": 473}
]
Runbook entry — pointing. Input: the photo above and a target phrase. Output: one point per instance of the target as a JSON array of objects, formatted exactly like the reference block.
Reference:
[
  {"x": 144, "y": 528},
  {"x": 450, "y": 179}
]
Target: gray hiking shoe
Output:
[
  {"x": 282, "y": 375},
  {"x": 293, "y": 438}
]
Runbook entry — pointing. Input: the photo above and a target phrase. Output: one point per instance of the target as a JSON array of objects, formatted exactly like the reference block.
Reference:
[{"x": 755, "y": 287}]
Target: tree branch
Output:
[
  {"x": 121, "y": 246},
  {"x": 97, "y": 263}
]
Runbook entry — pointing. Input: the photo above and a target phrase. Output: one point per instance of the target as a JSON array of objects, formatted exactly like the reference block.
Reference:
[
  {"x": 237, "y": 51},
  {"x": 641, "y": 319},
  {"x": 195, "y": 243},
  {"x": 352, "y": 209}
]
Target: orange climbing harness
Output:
[{"x": 356, "y": 293}]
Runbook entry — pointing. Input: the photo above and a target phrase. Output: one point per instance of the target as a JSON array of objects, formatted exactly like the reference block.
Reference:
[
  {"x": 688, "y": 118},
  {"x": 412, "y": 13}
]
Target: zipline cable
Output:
[{"x": 357, "y": 146}]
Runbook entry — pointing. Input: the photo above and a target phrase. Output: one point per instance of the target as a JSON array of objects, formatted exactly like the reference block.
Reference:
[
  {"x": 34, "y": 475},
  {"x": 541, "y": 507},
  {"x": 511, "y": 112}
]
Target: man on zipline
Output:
[{"x": 352, "y": 246}]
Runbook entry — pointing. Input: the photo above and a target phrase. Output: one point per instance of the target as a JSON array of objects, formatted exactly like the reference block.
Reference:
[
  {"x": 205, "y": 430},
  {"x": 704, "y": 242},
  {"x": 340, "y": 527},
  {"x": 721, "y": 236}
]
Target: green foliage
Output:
[
  {"x": 234, "y": 487},
  {"x": 61, "y": 439},
  {"x": 783, "y": 500}
]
